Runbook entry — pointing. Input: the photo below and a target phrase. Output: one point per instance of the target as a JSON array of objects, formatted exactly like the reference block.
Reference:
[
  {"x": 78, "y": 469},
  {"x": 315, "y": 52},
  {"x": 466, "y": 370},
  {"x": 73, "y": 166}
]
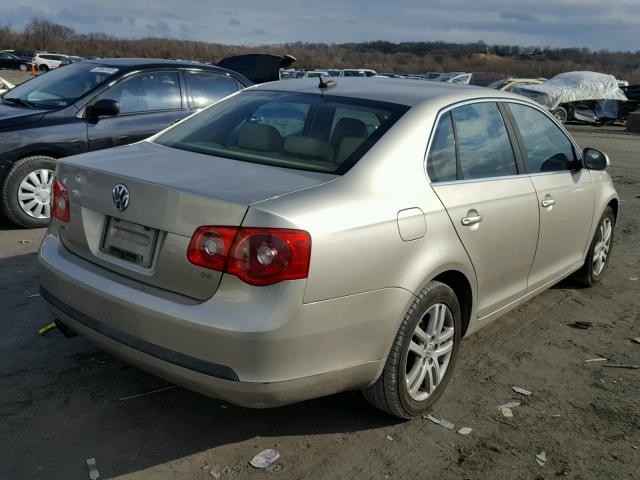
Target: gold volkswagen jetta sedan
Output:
[{"x": 302, "y": 238}]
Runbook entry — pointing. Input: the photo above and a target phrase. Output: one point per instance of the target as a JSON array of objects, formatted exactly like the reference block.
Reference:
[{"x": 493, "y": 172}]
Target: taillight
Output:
[
  {"x": 257, "y": 256},
  {"x": 60, "y": 201}
]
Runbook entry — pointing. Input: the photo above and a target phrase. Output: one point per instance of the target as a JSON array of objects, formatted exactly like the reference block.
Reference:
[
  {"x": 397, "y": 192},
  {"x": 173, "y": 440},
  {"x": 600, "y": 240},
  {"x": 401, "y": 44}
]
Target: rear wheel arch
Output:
[
  {"x": 461, "y": 286},
  {"x": 614, "y": 206}
]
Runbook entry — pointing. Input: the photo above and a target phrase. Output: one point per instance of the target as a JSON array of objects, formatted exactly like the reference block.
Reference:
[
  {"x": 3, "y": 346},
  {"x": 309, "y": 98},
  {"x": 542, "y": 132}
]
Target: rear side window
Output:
[
  {"x": 147, "y": 92},
  {"x": 547, "y": 148},
  {"x": 484, "y": 148},
  {"x": 441, "y": 162},
  {"x": 322, "y": 133},
  {"x": 207, "y": 88}
]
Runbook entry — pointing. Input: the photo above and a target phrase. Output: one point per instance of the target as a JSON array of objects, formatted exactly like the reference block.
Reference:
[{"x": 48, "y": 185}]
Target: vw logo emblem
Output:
[{"x": 120, "y": 196}]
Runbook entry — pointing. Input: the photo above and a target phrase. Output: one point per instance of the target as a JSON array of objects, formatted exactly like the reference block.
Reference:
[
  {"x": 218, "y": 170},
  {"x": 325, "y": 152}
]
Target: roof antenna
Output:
[{"x": 326, "y": 84}]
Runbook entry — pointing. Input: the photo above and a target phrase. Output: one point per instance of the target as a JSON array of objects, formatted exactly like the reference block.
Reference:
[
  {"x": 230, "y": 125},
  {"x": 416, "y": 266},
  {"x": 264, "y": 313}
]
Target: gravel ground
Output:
[{"x": 62, "y": 399}]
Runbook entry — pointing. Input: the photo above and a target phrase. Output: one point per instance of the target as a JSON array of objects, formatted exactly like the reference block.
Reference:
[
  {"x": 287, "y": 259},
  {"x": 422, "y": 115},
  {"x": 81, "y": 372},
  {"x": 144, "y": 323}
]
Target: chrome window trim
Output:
[{"x": 526, "y": 103}]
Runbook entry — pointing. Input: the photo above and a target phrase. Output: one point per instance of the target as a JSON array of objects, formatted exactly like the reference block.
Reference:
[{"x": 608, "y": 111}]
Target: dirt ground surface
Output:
[
  {"x": 15, "y": 76},
  {"x": 63, "y": 401}
]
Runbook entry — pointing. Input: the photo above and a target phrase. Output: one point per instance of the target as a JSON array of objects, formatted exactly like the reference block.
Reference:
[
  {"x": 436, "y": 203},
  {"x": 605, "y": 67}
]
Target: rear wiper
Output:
[{"x": 18, "y": 101}]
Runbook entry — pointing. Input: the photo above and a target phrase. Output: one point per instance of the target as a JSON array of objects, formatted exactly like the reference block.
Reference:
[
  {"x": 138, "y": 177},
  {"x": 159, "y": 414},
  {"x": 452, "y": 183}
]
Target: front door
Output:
[
  {"x": 149, "y": 102},
  {"x": 565, "y": 194},
  {"x": 492, "y": 207}
]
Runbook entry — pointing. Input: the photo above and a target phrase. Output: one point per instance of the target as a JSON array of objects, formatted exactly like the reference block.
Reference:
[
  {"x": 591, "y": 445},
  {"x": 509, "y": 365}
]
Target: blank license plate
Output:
[{"x": 130, "y": 241}]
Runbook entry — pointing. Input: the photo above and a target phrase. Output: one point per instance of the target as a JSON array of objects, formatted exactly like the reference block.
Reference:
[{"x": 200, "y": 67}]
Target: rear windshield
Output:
[
  {"x": 320, "y": 133},
  {"x": 63, "y": 86}
]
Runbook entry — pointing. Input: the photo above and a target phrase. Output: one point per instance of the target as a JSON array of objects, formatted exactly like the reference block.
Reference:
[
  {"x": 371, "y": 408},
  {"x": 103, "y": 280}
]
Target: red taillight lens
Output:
[
  {"x": 258, "y": 256},
  {"x": 60, "y": 201},
  {"x": 210, "y": 246}
]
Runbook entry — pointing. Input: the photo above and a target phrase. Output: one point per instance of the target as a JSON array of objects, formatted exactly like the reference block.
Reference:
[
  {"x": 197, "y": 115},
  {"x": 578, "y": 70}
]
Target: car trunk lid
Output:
[{"x": 170, "y": 194}]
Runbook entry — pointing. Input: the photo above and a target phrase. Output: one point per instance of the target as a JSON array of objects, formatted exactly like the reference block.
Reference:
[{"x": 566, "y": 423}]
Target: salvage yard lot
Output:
[{"x": 63, "y": 400}]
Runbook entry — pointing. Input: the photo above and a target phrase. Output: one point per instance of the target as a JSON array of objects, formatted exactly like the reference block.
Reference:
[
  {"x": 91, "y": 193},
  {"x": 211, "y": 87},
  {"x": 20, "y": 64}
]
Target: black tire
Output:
[
  {"x": 10, "y": 185},
  {"x": 24, "y": 67},
  {"x": 389, "y": 393},
  {"x": 43, "y": 68},
  {"x": 587, "y": 276},
  {"x": 561, "y": 114}
]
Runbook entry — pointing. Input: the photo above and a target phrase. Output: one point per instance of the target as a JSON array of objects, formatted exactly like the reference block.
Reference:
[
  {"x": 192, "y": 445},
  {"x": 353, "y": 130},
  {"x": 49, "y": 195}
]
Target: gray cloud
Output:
[
  {"x": 234, "y": 22},
  {"x": 521, "y": 17}
]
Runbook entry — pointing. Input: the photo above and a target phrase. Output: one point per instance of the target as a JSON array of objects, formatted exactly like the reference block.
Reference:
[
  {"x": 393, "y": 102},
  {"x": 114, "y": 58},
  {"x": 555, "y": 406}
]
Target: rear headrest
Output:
[
  {"x": 308, "y": 147},
  {"x": 257, "y": 136},
  {"x": 347, "y": 146},
  {"x": 348, "y": 127}
]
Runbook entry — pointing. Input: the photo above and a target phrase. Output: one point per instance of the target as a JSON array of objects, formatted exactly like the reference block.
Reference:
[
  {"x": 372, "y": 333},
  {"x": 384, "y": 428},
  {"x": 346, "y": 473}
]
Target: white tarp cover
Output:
[{"x": 573, "y": 87}]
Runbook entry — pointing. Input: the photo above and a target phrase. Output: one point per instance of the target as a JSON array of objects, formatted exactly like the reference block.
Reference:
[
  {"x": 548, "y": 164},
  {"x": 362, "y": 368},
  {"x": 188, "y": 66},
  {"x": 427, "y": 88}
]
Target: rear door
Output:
[
  {"x": 565, "y": 194},
  {"x": 476, "y": 173},
  {"x": 205, "y": 88},
  {"x": 149, "y": 102}
]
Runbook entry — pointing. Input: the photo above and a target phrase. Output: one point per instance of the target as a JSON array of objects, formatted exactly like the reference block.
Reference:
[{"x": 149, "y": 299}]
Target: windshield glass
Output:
[
  {"x": 63, "y": 86},
  {"x": 320, "y": 133}
]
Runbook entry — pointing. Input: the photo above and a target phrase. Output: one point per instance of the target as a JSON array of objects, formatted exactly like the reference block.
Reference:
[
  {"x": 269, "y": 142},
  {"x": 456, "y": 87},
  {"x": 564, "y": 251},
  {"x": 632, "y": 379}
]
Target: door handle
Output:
[
  {"x": 547, "y": 202},
  {"x": 467, "y": 221}
]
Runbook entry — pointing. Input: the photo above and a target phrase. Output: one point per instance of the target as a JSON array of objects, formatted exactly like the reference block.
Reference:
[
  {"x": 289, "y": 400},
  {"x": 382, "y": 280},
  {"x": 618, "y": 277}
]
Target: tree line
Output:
[{"x": 382, "y": 56}]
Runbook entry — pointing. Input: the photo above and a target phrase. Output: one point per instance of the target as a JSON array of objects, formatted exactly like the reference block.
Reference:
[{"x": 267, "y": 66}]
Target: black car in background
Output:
[
  {"x": 92, "y": 105},
  {"x": 11, "y": 61}
]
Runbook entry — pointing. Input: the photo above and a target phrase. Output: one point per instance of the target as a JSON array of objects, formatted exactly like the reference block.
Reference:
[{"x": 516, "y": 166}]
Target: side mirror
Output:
[
  {"x": 103, "y": 108},
  {"x": 595, "y": 159}
]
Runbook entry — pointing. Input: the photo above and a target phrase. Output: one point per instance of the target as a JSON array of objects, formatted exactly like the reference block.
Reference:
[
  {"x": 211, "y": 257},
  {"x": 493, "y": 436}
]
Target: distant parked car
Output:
[
  {"x": 510, "y": 83},
  {"x": 48, "y": 61},
  {"x": 334, "y": 72},
  {"x": 5, "y": 86},
  {"x": 454, "y": 77},
  {"x": 88, "y": 106},
  {"x": 9, "y": 60},
  {"x": 316, "y": 74},
  {"x": 482, "y": 79},
  {"x": 585, "y": 96},
  {"x": 358, "y": 72},
  {"x": 69, "y": 60}
]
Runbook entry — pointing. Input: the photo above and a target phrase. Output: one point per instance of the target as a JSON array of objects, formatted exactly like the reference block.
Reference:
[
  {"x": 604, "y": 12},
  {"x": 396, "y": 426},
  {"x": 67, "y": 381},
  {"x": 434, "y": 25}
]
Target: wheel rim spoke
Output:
[
  {"x": 446, "y": 334},
  {"x": 415, "y": 348},
  {"x": 419, "y": 379},
  {"x": 420, "y": 334},
  {"x": 413, "y": 374}
]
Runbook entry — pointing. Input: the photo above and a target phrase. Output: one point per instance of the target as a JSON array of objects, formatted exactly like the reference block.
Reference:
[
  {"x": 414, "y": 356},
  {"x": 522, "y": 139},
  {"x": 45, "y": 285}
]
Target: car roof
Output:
[
  {"x": 130, "y": 64},
  {"x": 393, "y": 90}
]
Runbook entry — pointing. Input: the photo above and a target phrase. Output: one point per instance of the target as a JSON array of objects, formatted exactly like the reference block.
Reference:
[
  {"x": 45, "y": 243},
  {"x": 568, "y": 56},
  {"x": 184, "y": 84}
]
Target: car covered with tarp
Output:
[{"x": 586, "y": 96}]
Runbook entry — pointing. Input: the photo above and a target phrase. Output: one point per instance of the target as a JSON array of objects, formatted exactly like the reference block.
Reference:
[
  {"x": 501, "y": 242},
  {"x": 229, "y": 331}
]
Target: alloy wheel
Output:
[
  {"x": 34, "y": 193},
  {"x": 602, "y": 246},
  {"x": 429, "y": 352}
]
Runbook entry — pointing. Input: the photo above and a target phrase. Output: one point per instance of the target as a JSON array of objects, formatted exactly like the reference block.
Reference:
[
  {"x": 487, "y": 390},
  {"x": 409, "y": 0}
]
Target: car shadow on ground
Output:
[{"x": 65, "y": 400}]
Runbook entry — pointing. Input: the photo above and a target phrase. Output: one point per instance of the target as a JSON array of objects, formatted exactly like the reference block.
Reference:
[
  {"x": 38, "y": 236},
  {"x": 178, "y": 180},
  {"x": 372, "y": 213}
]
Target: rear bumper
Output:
[{"x": 252, "y": 346}]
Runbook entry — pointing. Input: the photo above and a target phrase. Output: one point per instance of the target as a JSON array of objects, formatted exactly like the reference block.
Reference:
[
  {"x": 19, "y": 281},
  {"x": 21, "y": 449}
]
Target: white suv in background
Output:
[{"x": 47, "y": 61}]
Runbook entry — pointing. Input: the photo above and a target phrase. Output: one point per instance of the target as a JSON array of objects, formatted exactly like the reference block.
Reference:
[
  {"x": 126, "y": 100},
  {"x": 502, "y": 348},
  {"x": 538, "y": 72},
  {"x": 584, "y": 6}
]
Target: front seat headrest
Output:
[{"x": 258, "y": 136}]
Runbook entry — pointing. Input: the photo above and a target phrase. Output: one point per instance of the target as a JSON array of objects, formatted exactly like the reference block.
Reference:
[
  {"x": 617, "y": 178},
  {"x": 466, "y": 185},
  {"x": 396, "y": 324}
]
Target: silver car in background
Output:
[{"x": 303, "y": 238}]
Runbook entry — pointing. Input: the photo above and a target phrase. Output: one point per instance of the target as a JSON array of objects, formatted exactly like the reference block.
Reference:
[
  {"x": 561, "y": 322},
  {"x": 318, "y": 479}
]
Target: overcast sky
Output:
[{"x": 596, "y": 24}]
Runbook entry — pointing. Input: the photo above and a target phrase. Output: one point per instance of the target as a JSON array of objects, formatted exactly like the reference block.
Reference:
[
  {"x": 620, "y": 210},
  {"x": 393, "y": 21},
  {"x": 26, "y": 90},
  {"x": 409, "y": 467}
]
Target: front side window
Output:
[
  {"x": 147, "y": 92},
  {"x": 441, "y": 162},
  {"x": 484, "y": 148},
  {"x": 321, "y": 133},
  {"x": 547, "y": 148},
  {"x": 207, "y": 88}
]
